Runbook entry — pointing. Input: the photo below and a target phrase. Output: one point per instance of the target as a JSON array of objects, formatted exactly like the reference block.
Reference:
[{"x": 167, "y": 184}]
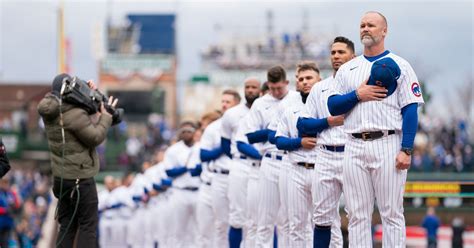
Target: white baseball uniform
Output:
[
  {"x": 369, "y": 171},
  {"x": 138, "y": 234},
  {"x": 263, "y": 111},
  {"x": 238, "y": 176},
  {"x": 206, "y": 228},
  {"x": 327, "y": 175},
  {"x": 119, "y": 216},
  {"x": 183, "y": 197},
  {"x": 298, "y": 184},
  {"x": 105, "y": 224},
  {"x": 284, "y": 219},
  {"x": 157, "y": 204},
  {"x": 211, "y": 139},
  {"x": 253, "y": 173}
]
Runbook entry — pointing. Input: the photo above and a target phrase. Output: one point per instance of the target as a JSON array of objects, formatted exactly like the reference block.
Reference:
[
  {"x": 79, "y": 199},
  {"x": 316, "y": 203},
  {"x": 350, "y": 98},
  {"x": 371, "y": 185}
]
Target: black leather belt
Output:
[
  {"x": 277, "y": 157},
  {"x": 372, "y": 135},
  {"x": 306, "y": 165},
  {"x": 255, "y": 164},
  {"x": 190, "y": 188},
  {"x": 221, "y": 171},
  {"x": 333, "y": 148}
]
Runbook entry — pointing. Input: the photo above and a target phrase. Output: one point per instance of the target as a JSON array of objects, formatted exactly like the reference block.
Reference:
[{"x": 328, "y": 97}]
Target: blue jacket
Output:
[{"x": 8, "y": 199}]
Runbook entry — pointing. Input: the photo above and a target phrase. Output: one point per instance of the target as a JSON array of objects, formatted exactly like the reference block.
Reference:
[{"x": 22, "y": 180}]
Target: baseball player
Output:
[
  {"x": 157, "y": 204},
  {"x": 211, "y": 150},
  {"x": 379, "y": 93},
  {"x": 283, "y": 220},
  {"x": 105, "y": 223},
  {"x": 254, "y": 157},
  {"x": 238, "y": 176},
  {"x": 139, "y": 235},
  {"x": 184, "y": 188},
  {"x": 327, "y": 181},
  {"x": 119, "y": 210},
  {"x": 261, "y": 114},
  {"x": 287, "y": 140},
  {"x": 302, "y": 159},
  {"x": 204, "y": 213}
]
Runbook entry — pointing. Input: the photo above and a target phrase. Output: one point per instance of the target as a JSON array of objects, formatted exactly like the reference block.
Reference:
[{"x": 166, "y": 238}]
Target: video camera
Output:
[{"x": 77, "y": 92}]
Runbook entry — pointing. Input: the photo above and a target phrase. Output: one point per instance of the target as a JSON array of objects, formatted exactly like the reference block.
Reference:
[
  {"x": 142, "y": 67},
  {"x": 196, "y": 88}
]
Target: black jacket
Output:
[{"x": 4, "y": 163}]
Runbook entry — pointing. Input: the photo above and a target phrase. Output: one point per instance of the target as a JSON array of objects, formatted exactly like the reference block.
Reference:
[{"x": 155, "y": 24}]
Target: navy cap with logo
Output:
[{"x": 385, "y": 72}]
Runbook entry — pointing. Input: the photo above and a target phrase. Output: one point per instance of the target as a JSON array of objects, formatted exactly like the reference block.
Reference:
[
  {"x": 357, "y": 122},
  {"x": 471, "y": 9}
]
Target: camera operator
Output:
[
  {"x": 74, "y": 162},
  {"x": 4, "y": 163}
]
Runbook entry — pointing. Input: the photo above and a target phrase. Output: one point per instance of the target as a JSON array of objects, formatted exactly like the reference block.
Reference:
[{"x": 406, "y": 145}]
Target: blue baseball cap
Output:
[{"x": 385, "y": 72}]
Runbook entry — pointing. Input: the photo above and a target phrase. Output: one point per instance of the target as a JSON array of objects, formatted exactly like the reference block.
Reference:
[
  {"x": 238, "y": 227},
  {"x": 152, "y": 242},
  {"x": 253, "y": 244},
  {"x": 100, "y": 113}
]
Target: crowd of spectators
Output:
[
  {"x": 139, "y": 143},
  {"x": 441, "y": 147},
  {"x": 26, "y": 210}
]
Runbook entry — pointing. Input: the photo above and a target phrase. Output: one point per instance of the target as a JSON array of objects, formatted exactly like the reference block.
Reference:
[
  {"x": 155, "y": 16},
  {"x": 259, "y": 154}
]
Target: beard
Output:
[
  {"x": 369, "y": 40},
  {"x": 251, "y": 98}
]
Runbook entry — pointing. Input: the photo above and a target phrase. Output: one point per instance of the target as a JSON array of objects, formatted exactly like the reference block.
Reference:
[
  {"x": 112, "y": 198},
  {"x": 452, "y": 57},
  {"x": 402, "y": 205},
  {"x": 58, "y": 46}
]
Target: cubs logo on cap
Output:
[{"x": 385, "y": 72}]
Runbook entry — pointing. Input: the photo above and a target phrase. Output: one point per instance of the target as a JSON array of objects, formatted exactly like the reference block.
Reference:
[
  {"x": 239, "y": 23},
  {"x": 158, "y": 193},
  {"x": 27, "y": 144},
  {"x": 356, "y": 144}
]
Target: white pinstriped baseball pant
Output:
[
  {"x": 269, "y": 212},
  {"x": 252, "y": 206},
  {"x": 326, "y": 192},
  {"x": 299, "y": 206},
  {"x": 369, "y": 174}
]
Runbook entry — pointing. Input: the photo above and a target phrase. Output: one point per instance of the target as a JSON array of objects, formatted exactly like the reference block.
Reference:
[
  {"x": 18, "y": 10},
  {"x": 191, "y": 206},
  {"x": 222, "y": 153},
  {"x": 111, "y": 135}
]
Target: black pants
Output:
[
  {"x": 86, "y": 217},
  {"x": 4, "y": 237}
]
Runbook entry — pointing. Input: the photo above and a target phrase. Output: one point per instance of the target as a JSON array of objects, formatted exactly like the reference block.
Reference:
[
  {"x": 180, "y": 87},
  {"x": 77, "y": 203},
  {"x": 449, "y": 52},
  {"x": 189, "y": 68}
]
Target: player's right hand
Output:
[
  {"x": 335, "y": 121},
  {"x": 308, "y": 142},
  {"x": 371, "y": 92}
]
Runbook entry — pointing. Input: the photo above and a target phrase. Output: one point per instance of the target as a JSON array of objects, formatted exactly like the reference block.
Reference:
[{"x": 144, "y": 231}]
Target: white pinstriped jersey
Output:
[
  {"x": 102, "y": 198},
  {"x": 179, "y": 155},
  {"x": 377, "y": 115},
  {"x": 230, "y": 123},
  {"x": 282, "y": 105},
  {"x": 287, "y": 128},
  {"x": 155, "y": 174},
  {"x": 192, "y": 162},
  {"x": 317, "y": 107},
  {"x": 139, "y": 183},
  {"x": 123, "y": 195},
  {"x": 211, "y": 139},
  {"x": 263, "y": 112},
  {"x": 242, "y": 129}
]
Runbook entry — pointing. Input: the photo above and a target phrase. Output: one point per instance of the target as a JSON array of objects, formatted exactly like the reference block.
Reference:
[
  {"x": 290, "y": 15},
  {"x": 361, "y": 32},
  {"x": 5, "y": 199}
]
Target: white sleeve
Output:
[
  {"x": 254, "y": 119},
  {"x": 276, "y": 117},
  {"x": 126, "y": 198},
  {"x": 147, "y": 183},
  {"x": 195, "y": 158},
  {"x": 226, "y": 128},
  {"x": 310, "y": 109},
  {"x": 340, "y": 87},
  {"x": 410, "y": 88},
  {"x": 207, "y": 138},
  {"x": 153, "y": 173},
  {"x": 169, "y": 159},
  {"x": 242, "y": 130},
  {"x": 283, "y": 128},
  {"x": 102, "y": 197}
]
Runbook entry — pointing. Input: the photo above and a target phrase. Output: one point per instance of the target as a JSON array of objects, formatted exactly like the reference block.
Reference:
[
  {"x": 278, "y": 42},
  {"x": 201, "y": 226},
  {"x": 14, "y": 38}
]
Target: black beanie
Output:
[{"x": 58, "y": 82}]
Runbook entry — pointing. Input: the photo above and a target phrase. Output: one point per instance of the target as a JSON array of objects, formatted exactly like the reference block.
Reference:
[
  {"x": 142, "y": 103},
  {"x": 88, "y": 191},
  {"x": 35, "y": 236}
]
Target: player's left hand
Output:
[{"x": 403, "y": 161}]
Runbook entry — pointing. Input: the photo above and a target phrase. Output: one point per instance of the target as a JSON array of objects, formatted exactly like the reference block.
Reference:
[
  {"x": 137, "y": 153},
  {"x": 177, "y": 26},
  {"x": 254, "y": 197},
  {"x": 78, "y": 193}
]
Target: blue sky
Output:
[{"x": 436, "y": 37}]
